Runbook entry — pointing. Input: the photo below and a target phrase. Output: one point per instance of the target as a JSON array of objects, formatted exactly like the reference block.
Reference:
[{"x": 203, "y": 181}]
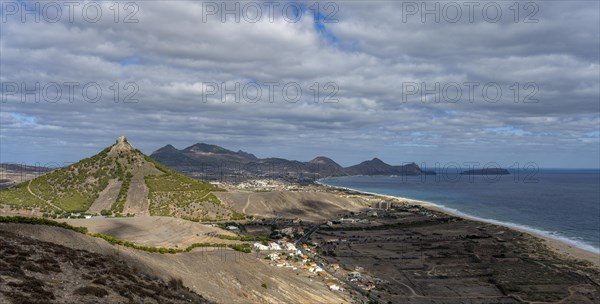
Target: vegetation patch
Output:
[
  {"x": 246, "y": 238},
  {"x": 174, "y": 194},
  {"x": 18, "y": 195},
  {"x": 242, "y": 247},
  {"x": 41, "y": 221},
  {"x": 91, "y": 290},
  {"x": 119, "y": 204}
]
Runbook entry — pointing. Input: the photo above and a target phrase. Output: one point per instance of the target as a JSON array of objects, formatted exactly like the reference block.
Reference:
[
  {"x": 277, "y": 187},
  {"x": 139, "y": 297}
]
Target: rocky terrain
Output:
[
  {"x": 410, "y": 254},
  {"x": 35, "y": 271},
  {"x": 156, "y": 250},
  {"x": 220, "y": 275}
]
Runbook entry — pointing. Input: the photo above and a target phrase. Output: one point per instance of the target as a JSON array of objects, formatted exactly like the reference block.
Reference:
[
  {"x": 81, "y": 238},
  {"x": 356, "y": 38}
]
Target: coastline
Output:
[{"x": 560, "y": 246}]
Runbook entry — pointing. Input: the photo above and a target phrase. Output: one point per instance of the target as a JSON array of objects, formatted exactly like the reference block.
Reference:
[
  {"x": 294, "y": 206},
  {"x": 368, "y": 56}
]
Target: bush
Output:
[
  {"x": 263, "y": 285},
  {"x": 40, "y": 221},
  {"x": 248, "y": 238},
  {"x": 91, "y": 290},
  {"x": 241, "y": 247}
]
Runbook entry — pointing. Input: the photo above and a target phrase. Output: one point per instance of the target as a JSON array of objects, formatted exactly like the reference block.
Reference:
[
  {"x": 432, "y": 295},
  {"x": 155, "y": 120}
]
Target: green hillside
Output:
[
  {"x": 174, "y": 194},
  {"x": 73, "y": 188},
  {"x": 90, "y": 182}
]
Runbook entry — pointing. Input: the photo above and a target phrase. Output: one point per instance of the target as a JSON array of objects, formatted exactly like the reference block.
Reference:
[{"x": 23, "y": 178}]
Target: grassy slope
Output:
[
  {"x": 174, "y": 194},
  {"x": 19, "y": 195},
  {"x": 74, "y": 188}
]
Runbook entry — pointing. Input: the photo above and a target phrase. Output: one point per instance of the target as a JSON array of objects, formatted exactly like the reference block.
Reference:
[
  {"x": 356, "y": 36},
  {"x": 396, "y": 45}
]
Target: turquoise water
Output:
[{"x": 563, "y": 204}]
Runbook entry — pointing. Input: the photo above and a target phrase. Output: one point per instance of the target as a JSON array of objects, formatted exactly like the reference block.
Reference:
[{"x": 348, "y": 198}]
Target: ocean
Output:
[{"x": 559, "y": 203}]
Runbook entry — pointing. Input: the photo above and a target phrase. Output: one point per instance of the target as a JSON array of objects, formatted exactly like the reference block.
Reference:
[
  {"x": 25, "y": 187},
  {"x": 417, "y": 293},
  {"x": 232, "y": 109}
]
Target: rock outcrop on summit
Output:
[{"x": 119, "y": 180}]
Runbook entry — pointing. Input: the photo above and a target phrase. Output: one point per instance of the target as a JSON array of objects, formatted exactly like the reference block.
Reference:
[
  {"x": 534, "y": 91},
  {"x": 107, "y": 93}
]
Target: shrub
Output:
[
  {"x": 245, "y": 238},
  {"x": 40, "y": 221},
  {"x": 91, "y": 290},
  {"x": 241, "y": 247}
]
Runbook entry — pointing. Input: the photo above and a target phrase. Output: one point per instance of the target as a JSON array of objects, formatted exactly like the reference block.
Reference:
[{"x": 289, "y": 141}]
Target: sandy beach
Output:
[{"x": 558, "y": 246}]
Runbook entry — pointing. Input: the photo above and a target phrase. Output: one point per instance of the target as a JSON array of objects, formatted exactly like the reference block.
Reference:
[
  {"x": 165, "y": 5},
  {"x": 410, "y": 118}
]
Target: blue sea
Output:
[{"x": 562, "y": 204}]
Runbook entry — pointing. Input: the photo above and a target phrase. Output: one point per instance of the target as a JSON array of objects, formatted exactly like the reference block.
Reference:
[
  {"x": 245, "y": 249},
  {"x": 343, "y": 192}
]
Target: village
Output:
[
  {"x": 294, "y": 246},
  {"x": 305, "y": 257}
]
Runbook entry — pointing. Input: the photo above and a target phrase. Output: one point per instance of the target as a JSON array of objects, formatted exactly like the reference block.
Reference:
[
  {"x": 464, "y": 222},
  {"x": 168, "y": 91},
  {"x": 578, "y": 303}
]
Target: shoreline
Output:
[{"x": 561, "y": 246}]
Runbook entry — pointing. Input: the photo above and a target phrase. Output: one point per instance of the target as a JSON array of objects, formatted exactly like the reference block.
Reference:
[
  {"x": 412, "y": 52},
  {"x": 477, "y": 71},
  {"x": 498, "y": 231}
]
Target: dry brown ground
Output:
[
  {"x": 223, "y": 276},
  {"x": 137, "y": 197},
  {"x": 309, "y": 206},
  {"x": 156, "y": 231},
  {"x": 33, "y": 271},
  {"x": 106, "y": 198},
  {"x": 9, "y": 210}
]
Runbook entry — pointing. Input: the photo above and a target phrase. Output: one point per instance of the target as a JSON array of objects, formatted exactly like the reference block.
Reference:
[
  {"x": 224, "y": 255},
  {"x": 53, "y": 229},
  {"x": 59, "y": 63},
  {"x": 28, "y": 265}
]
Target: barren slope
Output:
[
  {"x": 156, "y": 231},
  {"x": 33, "y": 271},
  {"x": 137, "y": 197},
  {"x": 107, "y": 197},
  {"x": 305, "y": 205},
  {"x": 223, "y": 275}
]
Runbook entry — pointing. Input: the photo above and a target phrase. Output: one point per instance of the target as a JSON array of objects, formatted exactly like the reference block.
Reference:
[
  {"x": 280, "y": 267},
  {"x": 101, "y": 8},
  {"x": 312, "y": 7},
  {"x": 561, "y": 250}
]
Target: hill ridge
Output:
[
  {"x": 204, "y": 159},
  {"x": 119, "y": 180}
]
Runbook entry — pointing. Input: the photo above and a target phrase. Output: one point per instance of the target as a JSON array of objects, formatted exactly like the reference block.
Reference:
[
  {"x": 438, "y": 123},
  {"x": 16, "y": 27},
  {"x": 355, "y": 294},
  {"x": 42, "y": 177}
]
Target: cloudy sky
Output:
[{"x": 490, "y": 82}]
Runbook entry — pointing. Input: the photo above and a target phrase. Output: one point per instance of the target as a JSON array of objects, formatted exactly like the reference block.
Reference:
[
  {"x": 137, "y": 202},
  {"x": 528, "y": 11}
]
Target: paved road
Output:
[{"x": 306, "y": 235}]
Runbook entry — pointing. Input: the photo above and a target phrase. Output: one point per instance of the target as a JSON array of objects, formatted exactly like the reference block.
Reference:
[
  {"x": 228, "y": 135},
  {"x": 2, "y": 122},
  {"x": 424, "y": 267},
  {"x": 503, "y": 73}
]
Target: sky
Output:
[{"x": 405, "y": 81}]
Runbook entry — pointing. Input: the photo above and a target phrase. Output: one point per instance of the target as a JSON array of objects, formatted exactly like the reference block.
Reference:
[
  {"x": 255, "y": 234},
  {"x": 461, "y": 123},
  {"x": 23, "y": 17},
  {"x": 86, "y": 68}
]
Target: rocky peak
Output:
[{"x": 121, "y": 145}]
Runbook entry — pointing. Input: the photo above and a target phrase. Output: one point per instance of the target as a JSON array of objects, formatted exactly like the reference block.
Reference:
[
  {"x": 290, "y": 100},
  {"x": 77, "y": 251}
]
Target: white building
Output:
[
  {"x": 274, "y": 246},
  {"x": 259, "y": 246},
  {"x": 288, "y": 246},
  {"x": 333, "y": 286}
]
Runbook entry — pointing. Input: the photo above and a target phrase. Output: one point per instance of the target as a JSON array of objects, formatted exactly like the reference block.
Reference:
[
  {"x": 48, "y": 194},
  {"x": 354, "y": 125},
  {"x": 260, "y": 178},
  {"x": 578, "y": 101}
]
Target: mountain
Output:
[
  {"x": 377, "y": 167},
  {"x": 123, "y": 181},
  {"x": 199, "y": 153},
  {"x": 325, "y": 166},
  {"x": 213, "y": 162},
  {"x": 169, "y": 155},
  {"x": 325, "y": 161}
]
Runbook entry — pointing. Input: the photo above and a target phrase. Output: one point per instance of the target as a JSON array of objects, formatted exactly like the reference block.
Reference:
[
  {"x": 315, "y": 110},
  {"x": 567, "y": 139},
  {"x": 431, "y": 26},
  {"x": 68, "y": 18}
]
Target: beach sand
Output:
[{"x": 559, "y": 247}]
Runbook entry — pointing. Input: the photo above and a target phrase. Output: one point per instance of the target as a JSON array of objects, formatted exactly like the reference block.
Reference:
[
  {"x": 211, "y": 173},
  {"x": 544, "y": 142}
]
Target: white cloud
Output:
[{"x": 171, "y": 52}]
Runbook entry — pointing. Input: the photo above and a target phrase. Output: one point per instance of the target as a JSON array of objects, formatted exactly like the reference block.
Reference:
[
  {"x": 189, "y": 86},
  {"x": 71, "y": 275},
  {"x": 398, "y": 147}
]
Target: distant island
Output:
[
  {"x": 486, "y": 171},
  {"x": 123, "y": 217}
]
